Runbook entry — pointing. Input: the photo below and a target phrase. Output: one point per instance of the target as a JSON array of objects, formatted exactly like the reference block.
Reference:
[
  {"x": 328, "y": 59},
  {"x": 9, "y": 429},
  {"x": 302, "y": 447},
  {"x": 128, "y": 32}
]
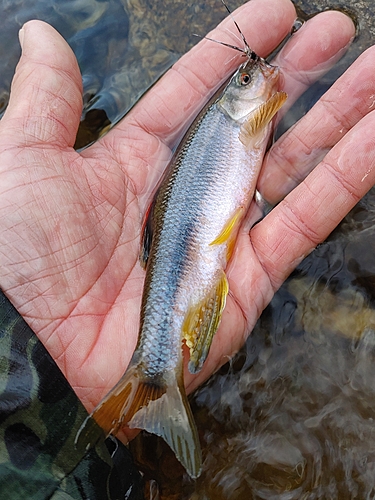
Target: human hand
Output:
[{"x": 71, "y": 221}]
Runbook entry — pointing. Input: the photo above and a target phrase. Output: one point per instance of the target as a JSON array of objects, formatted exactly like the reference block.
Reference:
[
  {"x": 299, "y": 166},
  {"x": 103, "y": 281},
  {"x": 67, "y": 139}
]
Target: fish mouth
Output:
[{"x": 269, "y": 72}]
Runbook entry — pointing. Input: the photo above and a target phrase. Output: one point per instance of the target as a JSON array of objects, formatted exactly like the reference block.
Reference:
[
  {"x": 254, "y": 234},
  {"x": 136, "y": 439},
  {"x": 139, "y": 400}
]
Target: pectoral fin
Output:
[
  {"x": 229, "y": 232},
  {"x": 202, "y": 322},
  {"x": 260, "y": 118},
  {"x": 228, "y": 229}
]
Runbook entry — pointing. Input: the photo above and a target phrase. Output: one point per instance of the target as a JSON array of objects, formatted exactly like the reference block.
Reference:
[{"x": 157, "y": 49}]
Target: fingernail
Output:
[{"x": 21, "y": 35}]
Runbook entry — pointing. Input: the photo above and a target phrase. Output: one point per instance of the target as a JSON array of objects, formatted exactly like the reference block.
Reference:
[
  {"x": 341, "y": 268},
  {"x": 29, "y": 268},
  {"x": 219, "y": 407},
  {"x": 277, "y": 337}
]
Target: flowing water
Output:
[{"x": 292, "y": 416}]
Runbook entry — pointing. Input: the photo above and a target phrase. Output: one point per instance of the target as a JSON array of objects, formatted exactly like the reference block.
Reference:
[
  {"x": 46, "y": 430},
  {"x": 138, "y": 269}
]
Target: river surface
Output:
[{"x": 292, "y": 416}]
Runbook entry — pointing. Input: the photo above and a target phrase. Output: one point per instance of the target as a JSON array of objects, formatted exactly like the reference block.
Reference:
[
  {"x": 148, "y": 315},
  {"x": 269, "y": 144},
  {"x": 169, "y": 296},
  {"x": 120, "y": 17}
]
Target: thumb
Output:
[{"x": 46, "y": 94}]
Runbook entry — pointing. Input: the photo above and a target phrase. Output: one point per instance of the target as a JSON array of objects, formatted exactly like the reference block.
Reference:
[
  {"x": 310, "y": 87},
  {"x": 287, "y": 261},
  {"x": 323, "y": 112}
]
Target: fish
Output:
[{"x": 187, "y": 240}]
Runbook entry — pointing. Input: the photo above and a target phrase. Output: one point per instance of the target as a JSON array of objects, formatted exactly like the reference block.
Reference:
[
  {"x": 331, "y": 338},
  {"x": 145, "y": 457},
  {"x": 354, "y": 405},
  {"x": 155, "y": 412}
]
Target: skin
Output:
[{"x": 71, "y": 222}]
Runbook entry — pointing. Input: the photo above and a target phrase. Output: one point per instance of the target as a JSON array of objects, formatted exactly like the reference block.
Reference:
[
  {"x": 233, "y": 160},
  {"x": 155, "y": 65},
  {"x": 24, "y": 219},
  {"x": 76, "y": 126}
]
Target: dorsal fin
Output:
[{"x": 147, "y": 233}]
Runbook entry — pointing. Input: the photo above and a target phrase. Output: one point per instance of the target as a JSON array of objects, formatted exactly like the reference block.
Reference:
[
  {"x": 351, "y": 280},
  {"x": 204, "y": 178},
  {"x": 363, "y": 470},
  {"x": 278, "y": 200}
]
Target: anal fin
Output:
[{"x": 202, "y": 321}]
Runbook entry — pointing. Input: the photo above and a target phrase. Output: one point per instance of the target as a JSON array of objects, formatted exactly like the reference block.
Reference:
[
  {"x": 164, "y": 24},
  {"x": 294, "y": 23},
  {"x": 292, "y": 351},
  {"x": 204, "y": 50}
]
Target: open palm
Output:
[{"x": 70, "y": 222}]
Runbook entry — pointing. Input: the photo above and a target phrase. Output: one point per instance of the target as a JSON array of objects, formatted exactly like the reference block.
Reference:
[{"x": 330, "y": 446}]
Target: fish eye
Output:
[{"x": 244, "y": 79}]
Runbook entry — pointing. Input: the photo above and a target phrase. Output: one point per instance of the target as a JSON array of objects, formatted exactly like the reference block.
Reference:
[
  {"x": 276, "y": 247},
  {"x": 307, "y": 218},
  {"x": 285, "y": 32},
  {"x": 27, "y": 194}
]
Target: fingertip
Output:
[
  {"x": 21, "y": 35},
  {"x": 317, "y": 45},
  {"x": 46, "y": 91},
  {"x": 347, "y": 23},
  {"x": 341, "y": 26}
]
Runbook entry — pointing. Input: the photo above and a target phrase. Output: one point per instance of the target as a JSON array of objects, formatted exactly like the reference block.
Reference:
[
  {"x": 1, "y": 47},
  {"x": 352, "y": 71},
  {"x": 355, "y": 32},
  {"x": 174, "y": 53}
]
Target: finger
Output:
[
  {"x": 301, "y": 148},
  {"x": 312, "y": 51},
  {"x": 46, "y": 93},
  {"x": 315, "y": 207},
  {"x": 171, "y": 103}
]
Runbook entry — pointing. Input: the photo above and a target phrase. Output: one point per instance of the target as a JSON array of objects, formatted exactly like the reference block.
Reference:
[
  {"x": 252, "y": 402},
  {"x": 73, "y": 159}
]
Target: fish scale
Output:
[{"x": 188, "y": 238}]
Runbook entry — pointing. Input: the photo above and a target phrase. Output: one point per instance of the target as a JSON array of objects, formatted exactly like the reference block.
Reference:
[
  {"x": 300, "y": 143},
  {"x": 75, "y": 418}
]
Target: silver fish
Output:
[{"x": 187, "y": 241}]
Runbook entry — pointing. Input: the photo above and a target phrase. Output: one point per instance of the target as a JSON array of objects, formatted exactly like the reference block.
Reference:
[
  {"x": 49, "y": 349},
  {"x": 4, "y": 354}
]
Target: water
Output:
[
  {"x": 292, "y": 415},
  {"x": 123, "y": 47}
]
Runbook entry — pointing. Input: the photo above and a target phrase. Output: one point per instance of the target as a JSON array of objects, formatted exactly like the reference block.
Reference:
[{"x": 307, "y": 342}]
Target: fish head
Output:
[{"x": 251, "y": 85}]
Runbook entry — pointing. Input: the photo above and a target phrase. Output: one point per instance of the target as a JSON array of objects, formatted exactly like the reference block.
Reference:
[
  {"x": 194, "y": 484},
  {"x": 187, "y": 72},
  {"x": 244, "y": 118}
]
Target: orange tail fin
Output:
[{"x": 159, "y": 408}]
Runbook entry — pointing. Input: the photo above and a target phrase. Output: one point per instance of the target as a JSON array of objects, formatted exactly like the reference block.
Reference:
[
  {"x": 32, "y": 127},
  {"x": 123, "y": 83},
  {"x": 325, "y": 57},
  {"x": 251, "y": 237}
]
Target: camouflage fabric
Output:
[{"x": 39, "y": 418}]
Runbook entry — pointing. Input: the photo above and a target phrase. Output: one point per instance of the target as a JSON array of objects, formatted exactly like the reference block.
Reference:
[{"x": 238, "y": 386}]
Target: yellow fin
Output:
[
  {"x": 159, "y": 407},
  {"x": 201, "y": 323},
  {"x": 227, "y": 231},
  {"x": 260, "y": 117}
]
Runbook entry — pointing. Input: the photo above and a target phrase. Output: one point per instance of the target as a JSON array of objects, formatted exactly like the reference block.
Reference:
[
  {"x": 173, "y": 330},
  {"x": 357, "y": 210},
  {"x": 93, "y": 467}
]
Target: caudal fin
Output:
[{"x": 159, "y": 408}]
